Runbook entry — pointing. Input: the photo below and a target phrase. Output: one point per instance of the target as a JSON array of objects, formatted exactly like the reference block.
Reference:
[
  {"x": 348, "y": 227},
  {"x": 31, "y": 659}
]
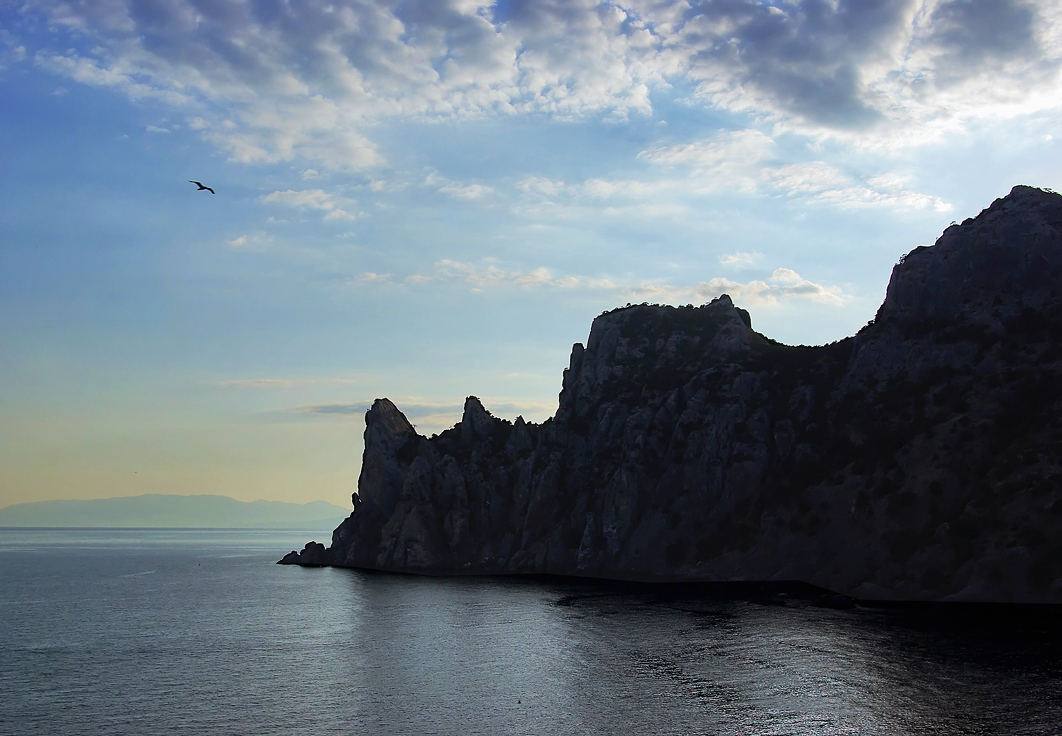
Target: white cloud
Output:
[
  {"x": 250, "y": 242},
  {"x": 784, "y": 284},
  {"x": 623, "y": 196},
  {"x": 541, "y": 186},
  {"x": 616, "y": 188},
  {"x": 740, "y": 258},
  {"x": 728, "y": 148},
  {"x": 443, "y": 185},
  {"x": 489, "y": 275},
  {"x": 369, "y": 277},
  {"x": 810, "y": 177},
  {"x": 730, "y": 162},
  {"x": 856, "y": 197},
  {"x": 95, "y": 73},
  {"x": 746, "y": 162},
  {"x": 785, "y": 276},
  {"x": 466, "y": 191},
  {"x": 156, "y": 129},
  {"x": 313, "y": 199}
]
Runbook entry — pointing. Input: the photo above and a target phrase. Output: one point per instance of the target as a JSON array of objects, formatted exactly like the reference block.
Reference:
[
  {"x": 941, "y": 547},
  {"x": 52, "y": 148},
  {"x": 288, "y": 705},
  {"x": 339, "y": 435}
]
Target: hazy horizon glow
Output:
[{"x": 426, "y": 200}]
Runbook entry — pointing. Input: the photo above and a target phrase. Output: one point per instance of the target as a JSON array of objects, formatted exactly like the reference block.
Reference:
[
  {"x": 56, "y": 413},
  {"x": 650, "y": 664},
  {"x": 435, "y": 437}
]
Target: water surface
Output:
[{"x": 180, "y": 631}]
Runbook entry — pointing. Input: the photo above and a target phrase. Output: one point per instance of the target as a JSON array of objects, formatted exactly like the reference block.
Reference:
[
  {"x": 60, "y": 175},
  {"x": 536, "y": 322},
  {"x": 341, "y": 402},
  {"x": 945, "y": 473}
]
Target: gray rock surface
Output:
[{"x": 920, "y": 459}]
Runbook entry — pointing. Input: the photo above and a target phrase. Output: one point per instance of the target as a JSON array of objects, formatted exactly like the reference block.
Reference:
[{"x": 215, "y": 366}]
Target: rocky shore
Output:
[{"x": 920, "y": 459}]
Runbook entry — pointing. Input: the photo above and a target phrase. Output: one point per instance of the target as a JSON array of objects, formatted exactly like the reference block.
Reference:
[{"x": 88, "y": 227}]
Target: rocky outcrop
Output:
[{"x": 920, "y": 459}]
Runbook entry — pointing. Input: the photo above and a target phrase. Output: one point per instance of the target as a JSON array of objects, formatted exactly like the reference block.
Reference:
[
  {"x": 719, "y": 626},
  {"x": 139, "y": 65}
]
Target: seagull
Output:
[{"x": 201, "y": 187}]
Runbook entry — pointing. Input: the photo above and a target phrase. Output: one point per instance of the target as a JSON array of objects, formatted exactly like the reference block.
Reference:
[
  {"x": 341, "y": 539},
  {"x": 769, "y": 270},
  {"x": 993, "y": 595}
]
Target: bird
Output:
[{"x": 201, "y": 186}]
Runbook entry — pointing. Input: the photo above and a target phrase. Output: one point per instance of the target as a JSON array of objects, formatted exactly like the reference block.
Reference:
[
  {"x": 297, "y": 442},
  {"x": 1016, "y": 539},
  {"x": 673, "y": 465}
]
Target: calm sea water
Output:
[{"x": 198, "y": 632}]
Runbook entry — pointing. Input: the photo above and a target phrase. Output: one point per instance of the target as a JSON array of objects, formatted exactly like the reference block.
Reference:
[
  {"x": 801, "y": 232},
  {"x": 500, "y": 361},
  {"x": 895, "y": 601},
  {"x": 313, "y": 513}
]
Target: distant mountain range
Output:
[{"x": 156, "y": 510}]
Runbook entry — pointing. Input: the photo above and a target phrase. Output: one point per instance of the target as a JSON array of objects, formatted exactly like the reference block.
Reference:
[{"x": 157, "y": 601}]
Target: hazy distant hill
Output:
[{"x": 158, "y": 510}]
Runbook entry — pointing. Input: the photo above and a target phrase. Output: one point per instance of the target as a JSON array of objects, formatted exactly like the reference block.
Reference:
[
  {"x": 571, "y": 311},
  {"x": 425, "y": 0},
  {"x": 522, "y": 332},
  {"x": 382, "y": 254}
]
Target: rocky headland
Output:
[{"x": 920, "y": 459}]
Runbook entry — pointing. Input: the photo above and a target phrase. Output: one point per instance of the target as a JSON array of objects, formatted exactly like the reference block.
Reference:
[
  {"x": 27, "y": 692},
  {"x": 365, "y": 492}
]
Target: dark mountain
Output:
[
  {"x": 920, "y": 459},
  {"x": 219, "y": 512}
]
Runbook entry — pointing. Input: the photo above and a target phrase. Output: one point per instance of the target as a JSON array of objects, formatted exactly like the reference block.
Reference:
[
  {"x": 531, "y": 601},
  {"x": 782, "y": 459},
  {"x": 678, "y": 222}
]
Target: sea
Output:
[{"x": 119, "y": 631}]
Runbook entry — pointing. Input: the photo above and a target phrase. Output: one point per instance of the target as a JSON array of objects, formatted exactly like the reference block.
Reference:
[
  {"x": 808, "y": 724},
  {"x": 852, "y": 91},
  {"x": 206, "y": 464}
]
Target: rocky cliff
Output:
[{"x": 920, "y": 459}]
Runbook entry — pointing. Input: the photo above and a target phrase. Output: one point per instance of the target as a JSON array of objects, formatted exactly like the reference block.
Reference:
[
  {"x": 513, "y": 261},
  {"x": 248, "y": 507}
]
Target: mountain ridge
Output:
[{"x": 920, "y": 459}]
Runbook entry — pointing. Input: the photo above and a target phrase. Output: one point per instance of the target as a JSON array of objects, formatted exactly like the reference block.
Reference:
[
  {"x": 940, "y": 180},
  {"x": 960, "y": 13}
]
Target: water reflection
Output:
[
  {"x": 497, "y": 655},
  {"x": 152, "y": 633},
  {"x": 733, "y": 666},
  {"x": 457, "y": 655}
]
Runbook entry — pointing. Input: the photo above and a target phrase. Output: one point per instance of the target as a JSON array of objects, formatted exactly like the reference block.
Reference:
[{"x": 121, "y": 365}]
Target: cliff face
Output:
[{"x": 920, "y": 459}]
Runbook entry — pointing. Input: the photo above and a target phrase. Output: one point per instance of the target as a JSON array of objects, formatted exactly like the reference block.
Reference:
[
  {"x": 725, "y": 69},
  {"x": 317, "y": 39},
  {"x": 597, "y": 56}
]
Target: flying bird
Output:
[{"x": 201, "y": 186}]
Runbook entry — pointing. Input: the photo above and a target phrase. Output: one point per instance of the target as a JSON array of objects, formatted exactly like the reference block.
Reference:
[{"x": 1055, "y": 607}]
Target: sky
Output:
[{"x": 430, "y": 200}]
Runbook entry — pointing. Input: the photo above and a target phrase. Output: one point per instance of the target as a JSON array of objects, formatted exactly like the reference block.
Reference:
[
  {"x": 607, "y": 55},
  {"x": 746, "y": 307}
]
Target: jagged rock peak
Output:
[
  {"x": 384, "y": 416},
  {"x": 631, "y": 333},
  {"x": 988, "y": 268},
  {"x": 476, "y": 422},
  {"x": 641, "y": 344}
]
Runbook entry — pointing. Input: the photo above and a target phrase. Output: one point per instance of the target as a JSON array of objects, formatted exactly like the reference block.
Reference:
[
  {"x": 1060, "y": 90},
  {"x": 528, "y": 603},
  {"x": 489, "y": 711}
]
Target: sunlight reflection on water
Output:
[{"x": 219, "y": 640}]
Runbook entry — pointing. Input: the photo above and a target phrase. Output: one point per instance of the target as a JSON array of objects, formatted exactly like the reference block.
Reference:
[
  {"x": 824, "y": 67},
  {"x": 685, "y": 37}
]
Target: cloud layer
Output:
[
  {"x": 273, "y": 82},
  {"x": 782, "y": 285},
  {"x": 744, "y": 161}
]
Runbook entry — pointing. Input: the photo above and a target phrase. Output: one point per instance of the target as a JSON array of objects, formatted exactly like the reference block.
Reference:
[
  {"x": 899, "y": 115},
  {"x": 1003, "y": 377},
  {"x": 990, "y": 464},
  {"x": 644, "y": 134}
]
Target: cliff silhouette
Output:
[{"x": 920, "y": 459}]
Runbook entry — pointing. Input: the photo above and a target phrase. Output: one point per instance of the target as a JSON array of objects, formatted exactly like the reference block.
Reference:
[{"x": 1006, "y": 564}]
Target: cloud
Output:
[
  {"x": 267, "y": 83},
  {"x": 156, "y": 129},
  {"x": 313, "y": 199},
  {"x": 746, "y": 162},
  {"x": 732, "y": 162},
  {"x": 741, "y": 258},
  {"x": 11, "y": 50},
  {"x": 873, "y": 69},
  {"x": 252, "y": 241},
  {"x": 98, "y": 73},
  {"x": 541, "y": 186},
  {"x": 445, "y": 186},
  {"x": 468, "y": 191},
  {"x": 784, "y": 284},
  {"x": 635, "y": 197},
  {"x": 489, "y": 275},
  {"x": 966, "y": 37},
  {"x": 480, "y": 277},
  {"x": 785, "y": 276},
  {"x": 728, "y": 148}
]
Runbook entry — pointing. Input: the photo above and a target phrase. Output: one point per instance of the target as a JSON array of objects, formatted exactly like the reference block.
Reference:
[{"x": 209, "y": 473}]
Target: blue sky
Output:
[{"x": 426, "y": 200}]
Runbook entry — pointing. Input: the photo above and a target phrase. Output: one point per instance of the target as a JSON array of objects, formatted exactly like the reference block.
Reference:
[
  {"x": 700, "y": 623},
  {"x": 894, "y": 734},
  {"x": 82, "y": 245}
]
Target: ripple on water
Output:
[{"x": 163, "y": 635}]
